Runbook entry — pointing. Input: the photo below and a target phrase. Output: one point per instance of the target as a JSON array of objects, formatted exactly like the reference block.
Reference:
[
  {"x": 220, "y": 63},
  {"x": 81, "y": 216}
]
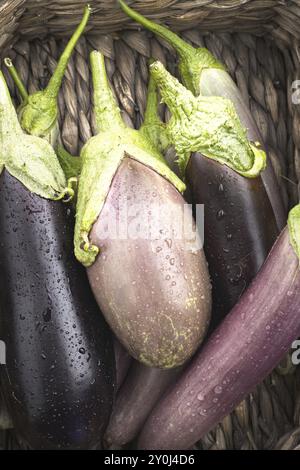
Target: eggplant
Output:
[
  {"x": 204, "y": 75},
  {"x": 246, "y": 347},
  {"x": 222, "y": 171},
  {"x": 58, "y": 381},
  {"x": 143, "y": 387},
  {"x": 153, "y": 288}
]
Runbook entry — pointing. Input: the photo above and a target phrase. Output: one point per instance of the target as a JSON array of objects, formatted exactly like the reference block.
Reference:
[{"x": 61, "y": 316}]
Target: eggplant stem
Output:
[
  {"x": 56, "y": 79},
  {"x": 9, "y": 122},
  {"x": 151, "y": 112},
  {"x": 182, "y": 47},
  {"x": 16, "y": 78},
  {"x": 153, "y": 128},
  {"x": 173, "y": 93},
  {"x": 192, "y": 60},
  {"x": 68, "y": 193},
  {"x": 107, "y": 112}
]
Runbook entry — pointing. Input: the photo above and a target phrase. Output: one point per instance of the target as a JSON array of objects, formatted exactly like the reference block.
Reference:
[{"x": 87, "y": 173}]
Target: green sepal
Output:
[
  {"x": 71, "y": 165},
  {"x": 192, "y": 61},
  {"x": 208, "y": 125},
  {"x": 30, "y": 159},
  {"x": 294, "y": 228}
]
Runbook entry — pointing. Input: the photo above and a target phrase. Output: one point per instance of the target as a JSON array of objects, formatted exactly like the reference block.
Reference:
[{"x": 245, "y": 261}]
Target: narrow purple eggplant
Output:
[
  {"x": 153, "y": 287},
  {"x": 245, "y": 348},
  {"x": 222, "y": 171},
  {"x": 204, "y": 75},
  {"x": 142, "y": 389},
  {"x": 58, "y": 380}
]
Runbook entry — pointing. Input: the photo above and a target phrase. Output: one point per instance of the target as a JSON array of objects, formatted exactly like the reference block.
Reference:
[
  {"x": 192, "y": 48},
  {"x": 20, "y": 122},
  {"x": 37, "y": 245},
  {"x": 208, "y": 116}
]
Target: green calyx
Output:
[
  {"x": 39, "y": 111},
  {"x": 208, "y": 125},
  {"x": 30, "y": 159},
  {"x": 101, "y": 157},
  {"x": 71, "y": 165},
  {"x": 192, "y": 61},
  {"x": 294, "y": 228},
  {"x": 153, "y": 128}
]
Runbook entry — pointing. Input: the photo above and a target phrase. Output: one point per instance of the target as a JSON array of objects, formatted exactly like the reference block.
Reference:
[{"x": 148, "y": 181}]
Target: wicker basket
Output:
[{"x": 259, "y": 41}]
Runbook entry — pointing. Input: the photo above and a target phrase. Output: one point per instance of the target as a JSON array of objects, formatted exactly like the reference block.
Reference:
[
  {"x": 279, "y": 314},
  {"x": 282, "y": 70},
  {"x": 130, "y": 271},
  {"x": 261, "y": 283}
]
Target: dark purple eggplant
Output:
[
  {"x": 222, "y": 171},
  {"x": 249, "y": 343},
  {"x": 58, "y": 379},
  {"x": 152, "y": 287},
  {"x": 204, "y": 75},
  {"x": 143, "y": 387},
  {"x": 239, "y": 228}
]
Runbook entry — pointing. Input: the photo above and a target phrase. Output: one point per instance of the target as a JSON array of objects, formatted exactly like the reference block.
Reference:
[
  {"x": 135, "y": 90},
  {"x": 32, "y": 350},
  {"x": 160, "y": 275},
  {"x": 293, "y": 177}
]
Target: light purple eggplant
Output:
[
  {"x": 143, "y": 287},
  {"x": 245, "y": 348},
  {"x": 153, "y": 287}
]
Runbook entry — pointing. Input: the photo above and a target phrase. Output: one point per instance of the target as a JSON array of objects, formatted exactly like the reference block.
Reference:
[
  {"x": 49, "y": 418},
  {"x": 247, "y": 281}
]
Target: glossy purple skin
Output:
[
  {"x": 239, "y": 228},
  {"x": 154, "y": 291},
  {"x": 58, "y": 380},
  {"x": 141, "y": 390},
  {"x": 249, "y": 343}
]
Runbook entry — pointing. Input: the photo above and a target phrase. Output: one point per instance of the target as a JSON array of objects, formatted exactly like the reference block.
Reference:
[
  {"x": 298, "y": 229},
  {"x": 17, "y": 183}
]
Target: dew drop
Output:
[
  {"x": 218, "y": 389},
  {"x": 220, "y": 214}
]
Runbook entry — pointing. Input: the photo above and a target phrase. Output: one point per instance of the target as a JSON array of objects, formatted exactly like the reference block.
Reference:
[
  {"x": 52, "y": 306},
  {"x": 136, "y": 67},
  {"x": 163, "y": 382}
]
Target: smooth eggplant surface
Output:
[
  {"x": 154, "y": 293},
  {"x": 59, "y": 378},
  {"x": 143, "y": 387},
  {"x": 239, "y": 228},
  {"x": 246, "y": 347}
]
